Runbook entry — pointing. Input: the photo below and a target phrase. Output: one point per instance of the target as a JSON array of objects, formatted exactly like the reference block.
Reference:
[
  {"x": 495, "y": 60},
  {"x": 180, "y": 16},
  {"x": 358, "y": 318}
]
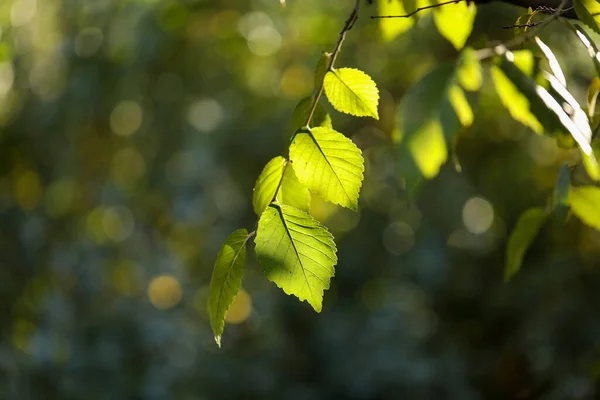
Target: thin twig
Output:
[
  {"x": 527, "y": 25},
  {"x": 491, "y": 51},
  {"x": 285, "y": 165},
  {"x": 347, "y": 26},
  {"x": 418, "y": 10}
]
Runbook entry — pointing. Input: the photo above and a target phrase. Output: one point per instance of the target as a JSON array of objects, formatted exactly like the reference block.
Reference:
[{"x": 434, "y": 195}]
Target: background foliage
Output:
[{"x": 131, "y": 136}]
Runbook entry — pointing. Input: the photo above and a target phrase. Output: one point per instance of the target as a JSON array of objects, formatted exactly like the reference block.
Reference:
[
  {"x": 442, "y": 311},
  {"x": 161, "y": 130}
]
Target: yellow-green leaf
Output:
[
  {"x": 469, "y": 72},
  {"x": 390, "y": 28},
  {"x": 291, "y": 191},
  {"x": 226, "y": 280},
  {"x": 592, "y": 95},
  {"x": 329, "y": 164},
  {"x": 588, "y": 12},
  {"x": 296, "y": 252},
  {"x": 552, "y": 61},
  {"x": 585, "y": 203},
  {"x": 351, "y": 91},
  {"x": 527, "y": 228},
  {"x": 455, "y": 22}
]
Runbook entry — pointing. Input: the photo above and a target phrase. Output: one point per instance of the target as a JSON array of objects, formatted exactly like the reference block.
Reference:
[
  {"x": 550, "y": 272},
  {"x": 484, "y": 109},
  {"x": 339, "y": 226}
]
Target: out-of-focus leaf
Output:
[
  {"x": 552, "y": 61},
  {"x": 300, "y": 115},
  {"x": 351, "y": 91},
  {"x": 390, "y": 28},
  {"x": 429, "y": 117},
  {"x": 296, "y": 253},
  {"x": 329, "y": 164},
  {"x": 455, "y": 22},
  {"x": 226, "y": 280},
  {"x": 588, "y": 12},
  {"x": 322, "y": 67},
  {"x": 527, "y": 228},
  {"x": 590, "y": 45},
  {"x": 585, "y": 203},
  {"x": 560, "y": 195},
  {"x": 291, "y": 191},
  {"x": 469, "y": 72},
  {"x": 592, "y": 95}
]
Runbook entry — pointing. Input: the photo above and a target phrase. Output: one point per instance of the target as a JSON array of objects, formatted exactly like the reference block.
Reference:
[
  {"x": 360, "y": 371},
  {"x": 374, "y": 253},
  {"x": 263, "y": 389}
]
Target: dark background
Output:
[{"x": 131, "y": 134}]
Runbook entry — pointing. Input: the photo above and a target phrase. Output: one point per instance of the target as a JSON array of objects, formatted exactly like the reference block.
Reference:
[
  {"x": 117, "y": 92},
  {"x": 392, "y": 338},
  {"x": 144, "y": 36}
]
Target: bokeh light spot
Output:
[
  {"x": 88, "y": 41},
  {"x": 398, "y": 238},
  {"x": 264, "y": 41},
  {"x": 296, "y": 81},
  {"x": 126, "y": 118},
  {"x": 164, "y": 292},
  {"x": 240, "y": 308},
  {"x": 22, "y": 12},
  {"x": 478, "y": 215},
  {"x": 205, "y": 115},
  {"x": 127, "y": 167},
  {"x": 118, "y": 223},
  {"x": 59, "y": 197}
]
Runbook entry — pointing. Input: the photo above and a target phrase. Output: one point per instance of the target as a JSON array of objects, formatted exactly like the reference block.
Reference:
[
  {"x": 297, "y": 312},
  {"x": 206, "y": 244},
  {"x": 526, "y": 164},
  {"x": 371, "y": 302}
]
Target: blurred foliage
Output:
[{"x": 131, "y": 135}]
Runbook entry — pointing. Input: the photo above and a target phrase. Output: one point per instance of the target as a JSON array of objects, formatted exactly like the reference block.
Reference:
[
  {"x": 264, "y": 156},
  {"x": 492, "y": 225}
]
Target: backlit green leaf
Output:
[
  {"x": 329, "y": 164},
  {"x": 351, "y": 91},
  {"x": 588, "y": 12},
  {"x": 291, "y": 191},
  {"x": 588, "y": 42},
  {"x": 455, "y": 22},
  {"x": 296, "y": 253},
  {"x": 527, "y": 228},
  {"x": 429, "y": 117},
  {"x": 469, "y": 72},
  {"x": 226, "y": 280},
  {"x": 585, "y": 203},
  {"x": 592, "y": 96},
  {"x": 300, "y": 115},
  {"x": 392, "y": 27},
  {"x": 552, "y": 61}
]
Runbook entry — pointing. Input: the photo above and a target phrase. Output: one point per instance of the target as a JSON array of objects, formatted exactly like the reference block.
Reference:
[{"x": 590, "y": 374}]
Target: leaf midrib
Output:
[
  {"x": 365, "y": 105},
  {"x": 237, "y": 253}
]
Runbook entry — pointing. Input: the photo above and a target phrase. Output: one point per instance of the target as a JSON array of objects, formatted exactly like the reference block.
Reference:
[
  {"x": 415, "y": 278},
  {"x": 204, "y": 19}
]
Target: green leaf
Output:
[
  {"x": 429, "y": 117},
  {"x": 351, "y": 91},
  {"x": 588, "y": 42},
  {"x": 322, "y": 67},
  {"x": 296, "y": 253},
  {"x": 291, "y": 191},
  {"x": 469, "y": 72},
  {"x": 329, "y": 164},
  {"x": 516, "y": 102},
  {"x": 300, "y": 115},
  {"x": 592, "y": 96},
  {"x": 226, "y": 280},
  {"x": 588, "y": 12},
  {"x": 527, "y": 228},
  {"x": 552, "y": 61},
  {"x": 585, "y": 203},
  {"x": 455, "y": 22},
  {"x": 560, "y": 195},
  {"x": 390, "y": 28}
]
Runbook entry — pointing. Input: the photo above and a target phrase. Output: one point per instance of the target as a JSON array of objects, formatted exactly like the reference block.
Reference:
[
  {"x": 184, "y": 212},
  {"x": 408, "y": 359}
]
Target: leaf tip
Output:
[{"x": 218, "y": 340}]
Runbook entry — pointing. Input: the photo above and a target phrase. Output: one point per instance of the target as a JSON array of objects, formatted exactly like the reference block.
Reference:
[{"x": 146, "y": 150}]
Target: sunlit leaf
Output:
[
  {"x": 527, "y": 228},
  {"x": 392, "y": 27},
  {"x": 226, "y": 280},
  {"x": 469, "y": 72},
  {"x": 329, "y": 164},
  {"x": 588, "y": 12},
  {"x": 585, "y": 204},
  {"x": 296, "y": 253},
  {"x": 552, "y": 61},
  {"x": 351, "y": 91},
  {"x": 429, "y": 117},
  {"x": 455, "y": 22},
  {"x": 300, "y": 115},
  {"x": 588, "y": 42},
  {"x": 592, "y": 95},
  {"x": 291, "y": 191}
]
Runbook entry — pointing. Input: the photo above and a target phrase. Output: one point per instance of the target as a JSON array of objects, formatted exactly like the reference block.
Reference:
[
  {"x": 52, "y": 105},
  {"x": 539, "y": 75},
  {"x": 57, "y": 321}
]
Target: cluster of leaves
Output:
[
  {"x": 295, "y": 251},
  {"x": 298, "y": 254},
  {"x": 530, "y": 84}
]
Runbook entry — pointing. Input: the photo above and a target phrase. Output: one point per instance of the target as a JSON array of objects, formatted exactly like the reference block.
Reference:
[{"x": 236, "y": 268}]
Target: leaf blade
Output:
[
  {"x": 353, "y": 92},
  {"x": 528, "y": 225},
  {"x": 226, "y": 280},
  {"x": 302, "y": 263},
  {"x": 585, "y": 203},
  {"x": 329, "y": 164}
]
